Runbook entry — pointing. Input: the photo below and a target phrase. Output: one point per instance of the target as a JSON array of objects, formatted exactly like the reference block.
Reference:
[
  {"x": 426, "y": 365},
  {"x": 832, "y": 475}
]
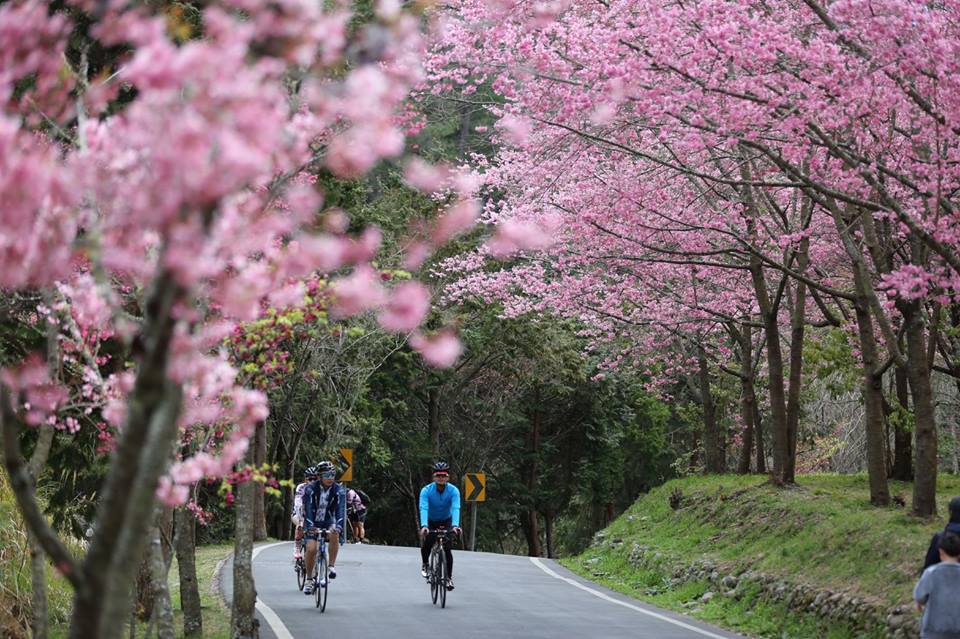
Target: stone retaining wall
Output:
[{"x": 900, "y": 622}]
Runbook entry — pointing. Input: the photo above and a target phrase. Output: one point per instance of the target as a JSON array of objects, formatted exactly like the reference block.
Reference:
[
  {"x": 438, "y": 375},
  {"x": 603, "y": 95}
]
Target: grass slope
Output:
[
  {"x": 216, "y": 617},
  {"x": 15, "y": 587},
  {"x": 822, "y": 533}
]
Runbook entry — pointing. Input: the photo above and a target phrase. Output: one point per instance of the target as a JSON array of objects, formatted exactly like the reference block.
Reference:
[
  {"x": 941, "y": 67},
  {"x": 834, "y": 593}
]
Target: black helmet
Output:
[
  {"x": 325, "y": 467},
  {"x": 309, "y": 471},
  {"x": 954, "y": 509},
  {"x": 441, "y": 467}
]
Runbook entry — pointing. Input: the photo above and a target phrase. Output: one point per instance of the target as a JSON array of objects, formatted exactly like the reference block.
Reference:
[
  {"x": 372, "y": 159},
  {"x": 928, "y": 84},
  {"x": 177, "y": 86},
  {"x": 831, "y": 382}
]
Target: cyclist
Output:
[
  {"x": 324, "y": 504},
  {"x": 297, "y": 517},
  {"x": 439, "y": 508},
  {"x": 356, "y": 513}
]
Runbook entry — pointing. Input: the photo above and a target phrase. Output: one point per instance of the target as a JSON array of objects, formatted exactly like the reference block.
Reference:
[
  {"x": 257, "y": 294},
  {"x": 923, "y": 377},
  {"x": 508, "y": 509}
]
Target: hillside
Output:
[{"x": 811, "y": 561}]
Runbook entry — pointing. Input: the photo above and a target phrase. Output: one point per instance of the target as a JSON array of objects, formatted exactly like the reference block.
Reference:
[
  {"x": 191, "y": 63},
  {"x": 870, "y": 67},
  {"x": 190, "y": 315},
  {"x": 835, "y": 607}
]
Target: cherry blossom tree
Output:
[
  {"x": 164, "y": 197},
  {"x": 778, "y": 139}
]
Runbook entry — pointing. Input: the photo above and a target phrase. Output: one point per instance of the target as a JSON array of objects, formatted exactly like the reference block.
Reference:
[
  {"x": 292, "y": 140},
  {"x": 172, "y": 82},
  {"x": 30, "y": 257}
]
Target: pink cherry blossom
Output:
[
  {"x": 458, "y": 219},
  {"x": 406, "y": 307},
  {"x": 441, "y": 350},
  {"x": 171, "y": 494},
  {"x": 361, "y": 291}
]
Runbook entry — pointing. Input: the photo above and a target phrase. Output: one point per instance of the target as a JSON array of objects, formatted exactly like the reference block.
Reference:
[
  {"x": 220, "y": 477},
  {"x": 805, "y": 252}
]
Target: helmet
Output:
[
  {"x": 441, "y": 467},
  {"x": 954, "y": 509},
  {"x": 309, "y": 471},
  {"x": 324, "y": 467}
]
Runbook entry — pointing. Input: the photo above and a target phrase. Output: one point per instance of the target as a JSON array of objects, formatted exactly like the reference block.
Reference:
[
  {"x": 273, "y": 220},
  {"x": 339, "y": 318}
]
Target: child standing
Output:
[{"x": 938, "y": 592}]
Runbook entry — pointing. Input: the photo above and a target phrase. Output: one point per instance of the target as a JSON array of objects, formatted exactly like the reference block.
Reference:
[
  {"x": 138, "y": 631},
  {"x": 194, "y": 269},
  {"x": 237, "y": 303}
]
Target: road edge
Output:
[
  {"x": 271, "y": 618},
  {"x": 555, "y": 570}
]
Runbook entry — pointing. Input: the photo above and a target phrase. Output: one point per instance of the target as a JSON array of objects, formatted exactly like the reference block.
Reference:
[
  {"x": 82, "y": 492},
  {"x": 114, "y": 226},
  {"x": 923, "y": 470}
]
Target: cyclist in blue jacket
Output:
[
  {"x": 439, "y": 508},
  {"x": 324, "y": 506}
]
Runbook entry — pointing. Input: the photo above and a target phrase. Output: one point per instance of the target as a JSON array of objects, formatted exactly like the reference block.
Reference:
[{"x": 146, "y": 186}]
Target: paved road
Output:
[{"x": 379, "y": 594}]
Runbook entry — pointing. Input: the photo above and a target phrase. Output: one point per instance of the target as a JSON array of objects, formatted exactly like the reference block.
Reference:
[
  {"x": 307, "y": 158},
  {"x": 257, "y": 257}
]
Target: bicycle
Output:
[
  {"x": 437, "y": 572},
  {"x": 300, "y": 567},
  {"x": 320, "y": 568}
]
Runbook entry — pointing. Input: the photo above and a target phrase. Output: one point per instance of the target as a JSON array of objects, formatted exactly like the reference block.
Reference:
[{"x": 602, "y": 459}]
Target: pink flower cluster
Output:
[{"x": 200, "y": 180}]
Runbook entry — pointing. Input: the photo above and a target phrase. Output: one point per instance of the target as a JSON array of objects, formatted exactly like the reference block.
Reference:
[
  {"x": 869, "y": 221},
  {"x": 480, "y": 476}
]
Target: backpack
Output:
[{"x": 364, "y": 497}]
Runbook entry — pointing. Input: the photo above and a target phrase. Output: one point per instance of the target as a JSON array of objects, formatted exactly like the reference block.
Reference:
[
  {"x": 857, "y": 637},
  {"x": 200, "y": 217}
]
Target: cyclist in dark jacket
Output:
[
  {"x": 933, "y": 552},
  {"x": 324, "y": 504}
]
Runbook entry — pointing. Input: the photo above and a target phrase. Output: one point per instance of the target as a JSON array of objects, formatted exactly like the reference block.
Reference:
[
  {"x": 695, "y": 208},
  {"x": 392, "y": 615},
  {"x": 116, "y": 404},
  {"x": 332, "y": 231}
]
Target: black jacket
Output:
[{"x": 933, "y": 552}]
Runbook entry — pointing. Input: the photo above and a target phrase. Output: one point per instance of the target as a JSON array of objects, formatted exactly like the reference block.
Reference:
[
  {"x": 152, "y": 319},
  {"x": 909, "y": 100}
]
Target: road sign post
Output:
[
  {"x": 475, "y": 491},
  {"x": 473, "y": 526}
]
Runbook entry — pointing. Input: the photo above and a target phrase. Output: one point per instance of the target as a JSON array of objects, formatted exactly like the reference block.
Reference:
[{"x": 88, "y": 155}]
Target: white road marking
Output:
[
  {"x": 596, "y": 593},
  {"x": 272, "y": 618}
]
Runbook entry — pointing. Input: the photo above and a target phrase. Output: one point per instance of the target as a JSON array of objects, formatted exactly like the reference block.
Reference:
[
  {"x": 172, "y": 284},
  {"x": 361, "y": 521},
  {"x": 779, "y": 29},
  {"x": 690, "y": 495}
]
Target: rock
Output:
[
  {"x": 729, "y": 581},
  {"x": 707, "y": 596},
  {"x": 591, "y": 562}
]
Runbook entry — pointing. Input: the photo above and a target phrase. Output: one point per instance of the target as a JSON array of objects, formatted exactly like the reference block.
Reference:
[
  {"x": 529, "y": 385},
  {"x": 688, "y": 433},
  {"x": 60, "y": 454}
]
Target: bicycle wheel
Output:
[
  {"x": 443, "y": 580},
  {"x": 433, "y": 577},
  {"x": 301, "y": 574},
  {"x": 321, "y": 592}
]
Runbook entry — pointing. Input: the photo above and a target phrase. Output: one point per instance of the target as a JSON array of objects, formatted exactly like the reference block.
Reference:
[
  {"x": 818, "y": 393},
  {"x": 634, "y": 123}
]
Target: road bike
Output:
[
  {"x": 437, "y": 570},
  {"x": 321, "y": 584},
  {"x": 299, "y": 566}
]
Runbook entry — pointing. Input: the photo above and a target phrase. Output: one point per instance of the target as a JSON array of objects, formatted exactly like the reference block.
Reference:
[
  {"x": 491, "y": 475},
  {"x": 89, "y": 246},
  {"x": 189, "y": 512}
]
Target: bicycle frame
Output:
[
  {"x": 438, "y": 565},
  {"x": 320, "y": 584}
]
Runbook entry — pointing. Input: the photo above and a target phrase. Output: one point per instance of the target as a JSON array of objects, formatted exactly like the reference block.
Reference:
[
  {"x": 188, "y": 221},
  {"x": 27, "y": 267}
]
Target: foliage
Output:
[
  {"x": 15, "y": 580},
  {"x": 829, "y": 357},
  {"x": 823, "y": 532}
]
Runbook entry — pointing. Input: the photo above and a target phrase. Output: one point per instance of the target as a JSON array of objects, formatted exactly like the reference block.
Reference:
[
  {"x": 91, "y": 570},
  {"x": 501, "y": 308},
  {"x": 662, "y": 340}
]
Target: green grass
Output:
[
  {"x": 216, "y": 616},
  {"x": 15, "y": 588},
  {"x": 822, "y": 533}
]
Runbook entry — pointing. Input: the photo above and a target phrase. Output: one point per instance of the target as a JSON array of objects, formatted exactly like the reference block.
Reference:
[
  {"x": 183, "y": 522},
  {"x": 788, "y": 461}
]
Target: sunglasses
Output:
[
  {"x": 327, "y": 475},
  {"x": 441, "y": 474}
]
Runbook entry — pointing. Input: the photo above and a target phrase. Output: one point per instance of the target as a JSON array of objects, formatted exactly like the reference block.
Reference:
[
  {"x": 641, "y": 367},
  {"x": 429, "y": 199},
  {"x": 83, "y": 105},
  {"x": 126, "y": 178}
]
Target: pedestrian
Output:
[
  {"x": 938, "y": 592},
  {"x": 357, "y": 502},
  {"x": 933, "y": 554}
]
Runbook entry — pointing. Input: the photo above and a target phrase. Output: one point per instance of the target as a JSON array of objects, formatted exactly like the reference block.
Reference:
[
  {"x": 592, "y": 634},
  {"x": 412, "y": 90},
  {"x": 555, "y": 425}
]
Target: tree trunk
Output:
[
  {"x": 548, "y": 525},
  {"x": 285, "y": 523},
  {"x": 121, "y": 529},
  {"x": 902, "y": 437},
  {"x": 711, "y": 443},
  {"x": 768, "y": 312},
  {"x": 797, "y": 324},
  {"x": 38, "y": 563},
  {"x": 872, "y": 390},
  {"x": 259, "y": 506},
  {"x": 162, "y": 610},
  {"x": 433, "y": 420},
  {"x": 185, "y": 545},
  {"x": 243, "y": 621},
  {"x": 38, "y": 460},
  {"x": 775, "y": 381},
  {"x": 925, "y": 427},
  {"x": 143, "y": 589},
  {"x": 758, "y": 435},
  {"x": 748, "y": 397},
  {"x": 529, "y": 519}
]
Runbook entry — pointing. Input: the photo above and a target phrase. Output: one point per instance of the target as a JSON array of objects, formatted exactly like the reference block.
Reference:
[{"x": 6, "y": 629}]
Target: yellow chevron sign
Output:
[
  {"x": 475, "y": 486},
  {"x": 346, "y": 463}
]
